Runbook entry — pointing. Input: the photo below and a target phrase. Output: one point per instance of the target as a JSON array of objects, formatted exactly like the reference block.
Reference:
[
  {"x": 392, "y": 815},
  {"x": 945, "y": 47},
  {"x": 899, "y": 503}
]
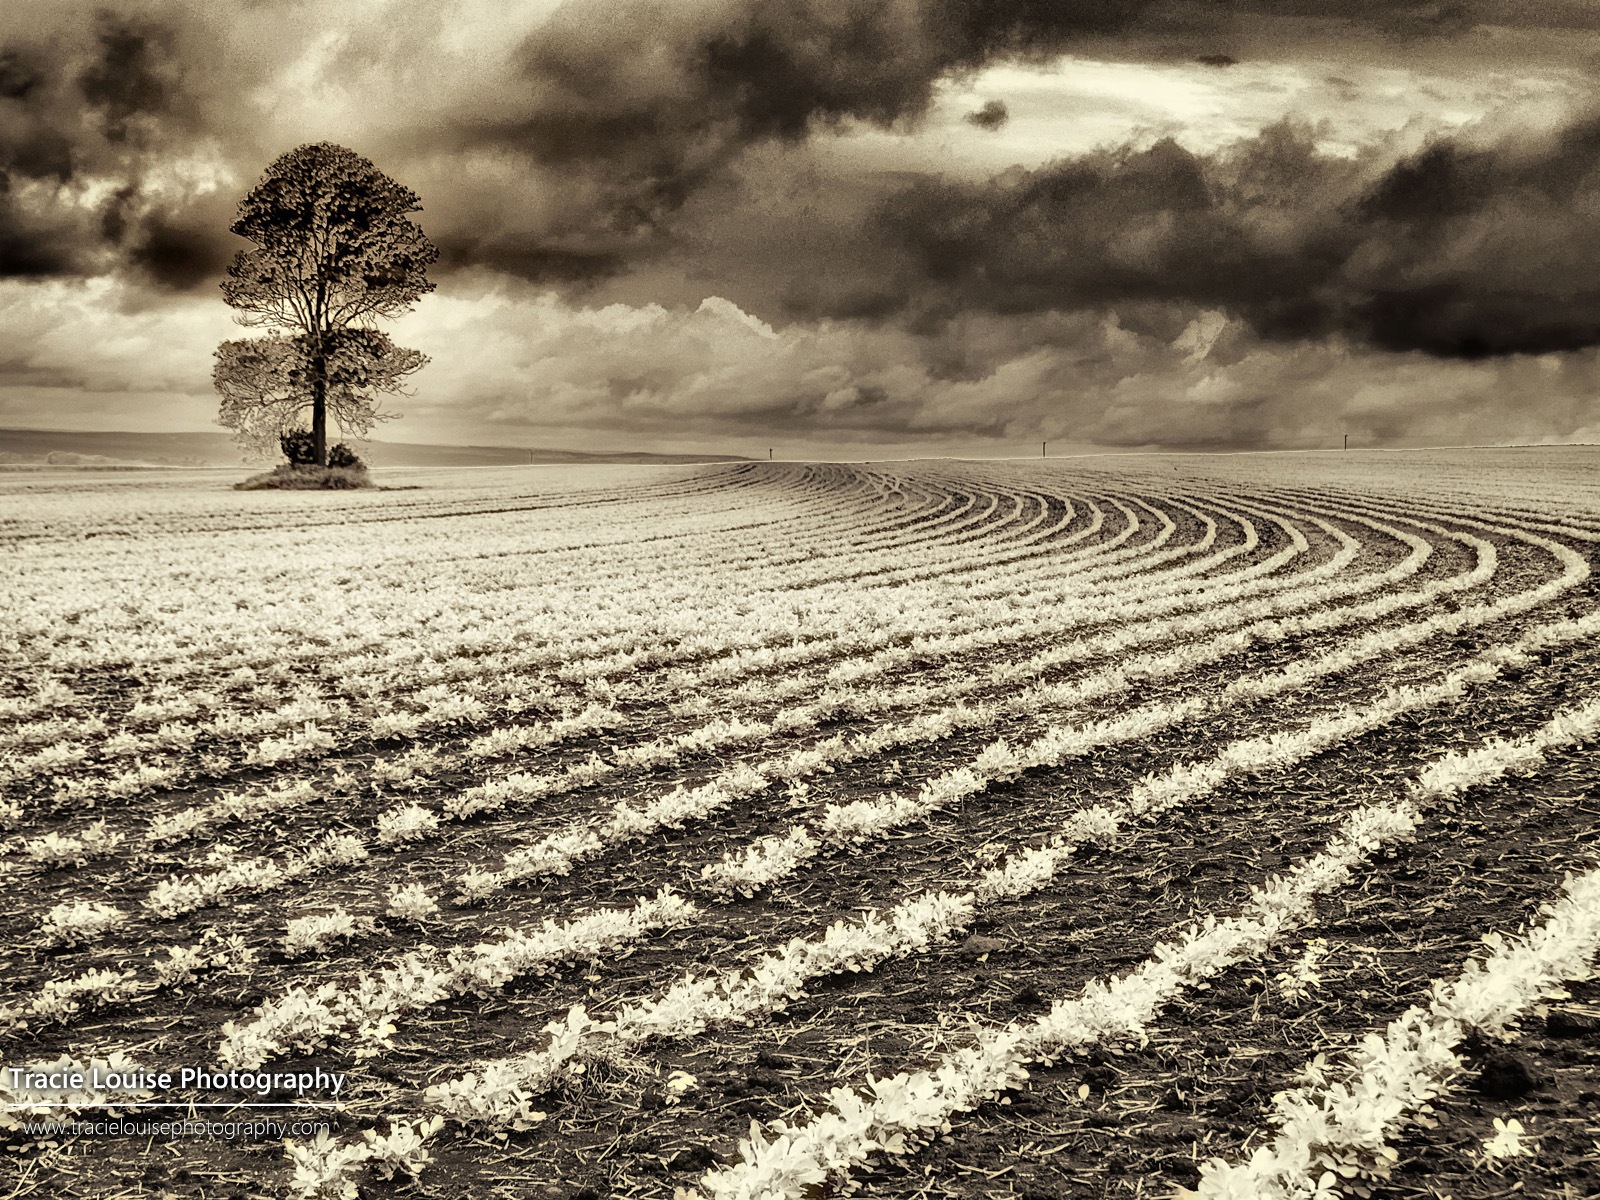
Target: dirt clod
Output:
[
  {"x": 1563, "y": 1024},
  {"x": 978, "y": 945},
  {"x": 1505, "y": 1075}
]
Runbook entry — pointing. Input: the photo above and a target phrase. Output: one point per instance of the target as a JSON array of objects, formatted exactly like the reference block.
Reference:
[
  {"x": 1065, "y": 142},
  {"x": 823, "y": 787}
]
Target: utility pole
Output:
[
  {"x": 1347, "y": 441},
  {"x": 769, "y": 453},
  {"x": 1042, "y": 445}
]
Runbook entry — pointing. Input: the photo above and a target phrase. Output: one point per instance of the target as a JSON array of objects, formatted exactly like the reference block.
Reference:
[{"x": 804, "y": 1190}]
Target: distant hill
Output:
[{"x": 73, "y": 447}]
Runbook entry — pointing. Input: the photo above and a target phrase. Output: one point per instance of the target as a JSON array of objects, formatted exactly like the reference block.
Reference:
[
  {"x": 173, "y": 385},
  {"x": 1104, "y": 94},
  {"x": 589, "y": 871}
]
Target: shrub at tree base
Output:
[
  {"x": 300, "y": 448},
  {"x": 342, "y": 456},
  {"x": 293, "y": 477}
]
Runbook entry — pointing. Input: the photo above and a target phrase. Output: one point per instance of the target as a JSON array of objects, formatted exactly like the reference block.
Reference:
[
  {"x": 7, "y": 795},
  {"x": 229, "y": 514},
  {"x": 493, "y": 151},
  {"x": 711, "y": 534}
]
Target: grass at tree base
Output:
[{"x": 291, "y": 477}]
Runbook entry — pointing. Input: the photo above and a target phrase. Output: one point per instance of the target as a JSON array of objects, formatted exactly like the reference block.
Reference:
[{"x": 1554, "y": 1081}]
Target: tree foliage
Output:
[
  {"x": 334, "y": 250},
  {"x": 266, "y": 383}
]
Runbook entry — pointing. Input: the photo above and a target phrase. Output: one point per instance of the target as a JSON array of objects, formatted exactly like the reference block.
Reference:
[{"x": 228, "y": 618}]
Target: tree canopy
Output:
[{"x": 334, "y": 251}]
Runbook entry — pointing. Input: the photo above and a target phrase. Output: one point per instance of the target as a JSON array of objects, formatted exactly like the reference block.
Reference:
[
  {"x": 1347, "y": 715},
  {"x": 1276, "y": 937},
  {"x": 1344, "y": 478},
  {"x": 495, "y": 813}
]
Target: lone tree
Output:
[{"x": 334, "y": 251}]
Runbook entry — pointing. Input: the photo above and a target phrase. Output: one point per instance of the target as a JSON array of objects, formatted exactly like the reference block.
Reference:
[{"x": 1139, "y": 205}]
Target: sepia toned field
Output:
[{"x": 1086, "y": 827}]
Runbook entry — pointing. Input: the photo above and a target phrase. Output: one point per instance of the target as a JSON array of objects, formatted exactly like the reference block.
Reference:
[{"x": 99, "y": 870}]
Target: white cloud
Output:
[
  {"x": 1075, "y": 105},
  {"x": 516, "y": 366}
]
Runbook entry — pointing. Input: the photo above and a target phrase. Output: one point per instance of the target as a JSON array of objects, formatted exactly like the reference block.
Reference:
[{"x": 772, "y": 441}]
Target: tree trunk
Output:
[{"x": 319, "y": 409}]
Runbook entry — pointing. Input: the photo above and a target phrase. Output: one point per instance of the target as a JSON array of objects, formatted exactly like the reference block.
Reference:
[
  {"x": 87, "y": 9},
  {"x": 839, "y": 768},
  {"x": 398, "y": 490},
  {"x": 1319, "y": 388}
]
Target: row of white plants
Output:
[
  {"x": 77, "y": 923},
  {"x": 412, "y": 822},
  {"x": 558, "y": 853},
  {"x": 555, "y": 854},
  {"x": 63, "y": 1001},
  {"x": 244, "y": 805},
  {"x": 1121, "y": 640},
  {"x": 1216, "y": 591},
  {"x": 898, "y": 1115},
  {"x": 768, "y": 859},
  {"x": 724, "y": 731},
  {"x": 500, "y": 1091},
  {"x": 1542, "y": 518},
  {"x": 495, "y": 539},
  {"x": 1455, "y": 516},
  {"x": 589, "y": 573},
  {"x": 697, "y": 1003},
  {"x": 138, "y": 716},
  {"x": 1445, "y": 777},
  {"x": 406, "y": 825},
  {"x": 312, "y": 739},
  {"x": 1334, "y": 1133},
  {"x": 1338, "y": 1127},
  {"x": 1043, "y": 613},
  {"x": 306, "y": 933},
  {"x": 307, "y": 719},
  {"x": 173, "y": 897},
  {"x": 175, "y": 706},
  {"x": 307, "y": 1019}
]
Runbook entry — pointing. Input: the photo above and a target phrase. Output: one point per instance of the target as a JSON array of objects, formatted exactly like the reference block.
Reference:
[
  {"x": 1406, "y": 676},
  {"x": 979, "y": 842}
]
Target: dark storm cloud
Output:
[
  {"x": 648, "y": 100},
  {"x": 32, "y": 148},
  {"x": 574, "y": 161},
  {"x": 1474, "y": 252},
  {"x": 1460, "y": 251},
  {"x": 992, "y": 115},
  {"x": 627, "y": 109},
  {"x": 31, "y": 252},
  {"x": 633, "y": 107},
  {"x": 132, "y": 78},
  {"x": 182, "y": 249},
  {"x": 102, "y": 100},
  {"x": 622, "y": 110},
  {"x": 17, "y": 77}
]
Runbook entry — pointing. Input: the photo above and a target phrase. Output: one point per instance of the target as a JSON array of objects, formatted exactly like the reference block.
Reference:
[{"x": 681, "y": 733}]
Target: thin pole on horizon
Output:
[
  {"x": 1347, "y": 441},
  {"x": 1042, "y": 445},
  {"x": 769, "y": 453}
]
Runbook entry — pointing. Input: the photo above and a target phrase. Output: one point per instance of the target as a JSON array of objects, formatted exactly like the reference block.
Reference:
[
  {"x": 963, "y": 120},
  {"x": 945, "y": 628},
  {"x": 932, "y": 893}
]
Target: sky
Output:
[{"x": 842, "y": 228}]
